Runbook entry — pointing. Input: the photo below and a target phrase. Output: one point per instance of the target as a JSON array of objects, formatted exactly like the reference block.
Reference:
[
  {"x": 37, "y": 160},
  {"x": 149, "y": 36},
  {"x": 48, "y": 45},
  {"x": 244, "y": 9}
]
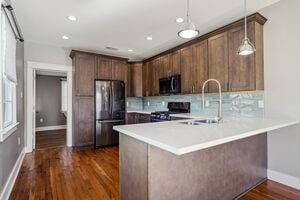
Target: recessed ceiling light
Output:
[
  {"x": 72, "y": 18},
  {"x": 65, "y": 37},
  {"x": 179, "y": 20},
  {"x": 149, "y": 38},
  {"x": 130, "y": 50}
]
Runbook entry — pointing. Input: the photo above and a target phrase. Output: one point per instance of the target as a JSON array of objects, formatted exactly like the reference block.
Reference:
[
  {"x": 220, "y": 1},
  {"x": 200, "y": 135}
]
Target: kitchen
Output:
[{"x": 207, "y": 113}]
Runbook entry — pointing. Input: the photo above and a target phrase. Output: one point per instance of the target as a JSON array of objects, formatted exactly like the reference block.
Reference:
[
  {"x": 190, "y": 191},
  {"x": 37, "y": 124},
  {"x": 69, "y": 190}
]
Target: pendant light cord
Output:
[
  {"x": 188, "y": 12},
  {"x": 245, "y": 10}
]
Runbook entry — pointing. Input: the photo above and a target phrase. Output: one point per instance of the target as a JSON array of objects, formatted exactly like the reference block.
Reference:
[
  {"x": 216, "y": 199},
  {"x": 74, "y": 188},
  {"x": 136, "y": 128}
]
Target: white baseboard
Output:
[
  {"x": 50, "y": 128},
  {"x": 284, "y": 179},
  {"x": 12, "y": 177}
]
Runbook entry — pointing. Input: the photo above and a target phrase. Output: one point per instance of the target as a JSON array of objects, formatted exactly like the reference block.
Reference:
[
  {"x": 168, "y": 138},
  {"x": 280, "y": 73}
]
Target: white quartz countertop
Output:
[{"x": 180, "y": 138}]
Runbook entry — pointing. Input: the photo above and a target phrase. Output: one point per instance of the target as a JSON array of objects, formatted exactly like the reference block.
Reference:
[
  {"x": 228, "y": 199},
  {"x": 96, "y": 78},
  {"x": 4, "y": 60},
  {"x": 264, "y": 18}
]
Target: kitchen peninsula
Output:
[{"x": 174, "y": 160}]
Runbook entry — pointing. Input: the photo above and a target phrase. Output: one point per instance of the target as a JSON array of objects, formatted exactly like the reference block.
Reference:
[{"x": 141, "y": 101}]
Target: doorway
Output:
[
  {"x": 46, "y": 128},
  {"x": 50, "y": 109}
]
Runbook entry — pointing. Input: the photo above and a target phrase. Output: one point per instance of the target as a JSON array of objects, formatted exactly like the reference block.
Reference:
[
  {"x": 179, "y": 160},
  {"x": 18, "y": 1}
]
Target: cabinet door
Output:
[
  {"x": 119, "y": 70},
  {"x": 165, "y": 69},
  {"x": 136, "y": 80},
  {"x": 103, "y": 68},
  {"x": 186, "y": 55},
  {"x": 174, "y": 62},
  {"x": 199, "y": 68},
  {"x": 241, "y": 68},
  {"x": 84, "y": 121},
  {"x": 143, "y": 118},
  {"x": 145, "y": 79},
  {"x": 128, "y": 85},
  {"x": 150, "y": 79},
  {"x": 218, "y": 61},
  {"x": 131, "y": 118},
  {"x": 84, "y": 74},
  {"x": 156, "y": 76}
]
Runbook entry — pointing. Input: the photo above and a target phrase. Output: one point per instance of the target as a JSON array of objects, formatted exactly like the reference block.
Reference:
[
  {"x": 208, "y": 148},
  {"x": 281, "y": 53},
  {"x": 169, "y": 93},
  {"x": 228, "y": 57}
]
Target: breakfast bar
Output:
[{"x": 186, "y": 160}]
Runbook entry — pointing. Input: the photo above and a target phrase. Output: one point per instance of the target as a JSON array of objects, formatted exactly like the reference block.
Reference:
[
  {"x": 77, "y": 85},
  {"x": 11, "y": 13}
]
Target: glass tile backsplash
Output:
[{"x": 247, "y": 104}]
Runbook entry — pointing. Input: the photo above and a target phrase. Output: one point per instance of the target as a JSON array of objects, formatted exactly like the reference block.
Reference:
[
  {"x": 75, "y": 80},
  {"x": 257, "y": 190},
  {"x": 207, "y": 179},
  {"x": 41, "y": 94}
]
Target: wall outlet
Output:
[
  {"x": 19, "y": 140},
  {"x": 163, "y": 103},
  {"x": 148, "y": 103},
  {"x": 41, "y": 120},
  {"x": 127, "y": 103}
]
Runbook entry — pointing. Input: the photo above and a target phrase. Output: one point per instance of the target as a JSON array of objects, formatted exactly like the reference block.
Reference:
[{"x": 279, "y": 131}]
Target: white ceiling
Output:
[{"x": 123, "y": 24}]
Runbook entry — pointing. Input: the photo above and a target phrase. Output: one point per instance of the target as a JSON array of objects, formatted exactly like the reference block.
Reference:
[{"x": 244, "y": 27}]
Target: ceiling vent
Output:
[{"x": 112, "y": 48}]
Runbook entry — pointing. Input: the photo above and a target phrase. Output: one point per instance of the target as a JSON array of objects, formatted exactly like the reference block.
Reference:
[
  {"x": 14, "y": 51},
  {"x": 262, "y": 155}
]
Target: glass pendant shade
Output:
[
  {"x": 190, "y": 30},
  {"x": 246, "y": 48}
]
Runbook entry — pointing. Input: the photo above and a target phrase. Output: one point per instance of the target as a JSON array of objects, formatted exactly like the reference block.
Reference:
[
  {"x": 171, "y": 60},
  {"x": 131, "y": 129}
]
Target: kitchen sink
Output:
[{"x": 199, "y": 122}]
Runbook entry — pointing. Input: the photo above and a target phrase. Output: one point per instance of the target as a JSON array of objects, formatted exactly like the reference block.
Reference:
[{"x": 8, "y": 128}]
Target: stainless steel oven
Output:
[{"x": 170, "y": 85}]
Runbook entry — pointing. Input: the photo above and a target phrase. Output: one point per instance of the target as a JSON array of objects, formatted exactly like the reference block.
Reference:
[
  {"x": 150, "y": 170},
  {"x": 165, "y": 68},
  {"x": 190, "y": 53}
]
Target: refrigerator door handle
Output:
[
  {"x": 111, "y": 99},
  {"x": 110, "y": 121}
]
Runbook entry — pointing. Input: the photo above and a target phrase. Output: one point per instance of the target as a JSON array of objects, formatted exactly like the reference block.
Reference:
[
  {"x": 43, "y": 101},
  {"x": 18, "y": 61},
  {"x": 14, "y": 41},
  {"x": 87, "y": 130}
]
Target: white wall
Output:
[
  {"x": 47, "y": 54},
  {"x": 282, "y": 83}
]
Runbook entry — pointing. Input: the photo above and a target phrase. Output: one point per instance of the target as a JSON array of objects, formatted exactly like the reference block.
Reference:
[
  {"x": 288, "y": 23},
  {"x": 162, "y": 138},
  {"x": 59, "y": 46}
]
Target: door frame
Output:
[{"x": 32, "y": 67}]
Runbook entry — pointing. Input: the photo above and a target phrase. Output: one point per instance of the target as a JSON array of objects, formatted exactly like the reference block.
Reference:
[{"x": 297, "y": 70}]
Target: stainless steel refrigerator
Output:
[{"x": 110, "y": 111}]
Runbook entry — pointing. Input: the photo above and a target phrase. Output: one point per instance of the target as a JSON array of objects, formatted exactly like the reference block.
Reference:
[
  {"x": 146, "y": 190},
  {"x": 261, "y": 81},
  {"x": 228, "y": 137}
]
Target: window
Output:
[
  {"x": 8, "y": 78},
  {"x": 9, "y": 102}
]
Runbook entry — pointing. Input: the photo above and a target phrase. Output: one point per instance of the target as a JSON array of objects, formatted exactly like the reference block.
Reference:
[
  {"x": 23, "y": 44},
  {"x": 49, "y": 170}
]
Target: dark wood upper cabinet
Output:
[
  {"x": 148, "y": 79},
  {"x": 186, "y": 63},
  {"x": 218, "y": 61},
  {"x": 165, "y": 70},
  {"x": 199, "y": 72},
  {"x": 119, "y": 70},
  {"x": 241, "y": 68},
  {"x": 245, "y": 72},
  {"x": 157, "y": 71},
  {"x": 174, "y": 62},
  {"x": 103, "y": 68},
  {"x": 84, "y": 66},
  {"x": 136, "y": 81}
]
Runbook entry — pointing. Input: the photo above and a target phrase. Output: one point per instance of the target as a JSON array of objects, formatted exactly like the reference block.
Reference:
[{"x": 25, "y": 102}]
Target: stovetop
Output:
[{"x": 174, "y": 108}]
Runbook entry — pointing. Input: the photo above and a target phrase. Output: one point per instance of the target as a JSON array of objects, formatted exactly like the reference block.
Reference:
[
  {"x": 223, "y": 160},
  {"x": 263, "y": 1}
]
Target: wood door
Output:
[
  {"x": 84, "y": 74},
  {"x": 165, "y": 70},
  {"x": 145, "y": 79},
  {"x": 218, "y": 61},
  {"x": 119, "y": 70},
  {"x": 150, "y": 80},
  {"x": 241, "y": 68},
  {"x": 84, "y": 121},
  {"x": 186, "y": 63},
  {"x": 136, "y": 80},
  {"x": 128, "y": 85},
  {"x": 174, "y": 62},
  {"x": 156, "y": 76},
  {"x": 103, "y": 68},
  {"x": 200, "y": 68}
]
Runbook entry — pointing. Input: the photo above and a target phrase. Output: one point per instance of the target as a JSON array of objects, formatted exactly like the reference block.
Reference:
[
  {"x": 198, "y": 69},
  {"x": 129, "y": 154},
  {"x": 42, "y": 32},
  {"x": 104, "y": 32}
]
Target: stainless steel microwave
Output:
[{"x": 170, "y": 85}]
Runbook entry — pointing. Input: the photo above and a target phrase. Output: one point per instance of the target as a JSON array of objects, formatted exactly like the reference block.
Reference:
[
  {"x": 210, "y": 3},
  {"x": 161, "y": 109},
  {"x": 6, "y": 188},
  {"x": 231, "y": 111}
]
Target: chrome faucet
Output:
[{"x": 219, "y": 118}]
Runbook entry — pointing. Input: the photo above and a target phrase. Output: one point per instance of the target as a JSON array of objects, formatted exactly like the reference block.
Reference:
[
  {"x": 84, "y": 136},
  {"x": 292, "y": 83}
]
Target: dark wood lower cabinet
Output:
[
  {"x": 137, "y": 118},
  {"x": 83, "y": 121}
]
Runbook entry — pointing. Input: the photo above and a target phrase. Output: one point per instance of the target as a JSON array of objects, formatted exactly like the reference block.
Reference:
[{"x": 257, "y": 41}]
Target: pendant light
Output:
[
  {"x": 190, "y": 30},
  {"x": 246, "y": 47}
]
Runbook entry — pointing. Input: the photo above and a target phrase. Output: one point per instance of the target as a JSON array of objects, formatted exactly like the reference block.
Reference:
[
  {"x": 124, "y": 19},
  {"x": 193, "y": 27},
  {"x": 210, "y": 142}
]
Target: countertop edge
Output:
[{"x": 185, "y": 150}]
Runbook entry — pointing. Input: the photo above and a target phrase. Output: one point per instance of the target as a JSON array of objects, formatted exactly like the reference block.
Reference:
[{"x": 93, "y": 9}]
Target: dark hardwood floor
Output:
[
  {"x": 66, "y": 173},
  {"x": 50, "y": 139},
  {"x": 273, "y": 191}
]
